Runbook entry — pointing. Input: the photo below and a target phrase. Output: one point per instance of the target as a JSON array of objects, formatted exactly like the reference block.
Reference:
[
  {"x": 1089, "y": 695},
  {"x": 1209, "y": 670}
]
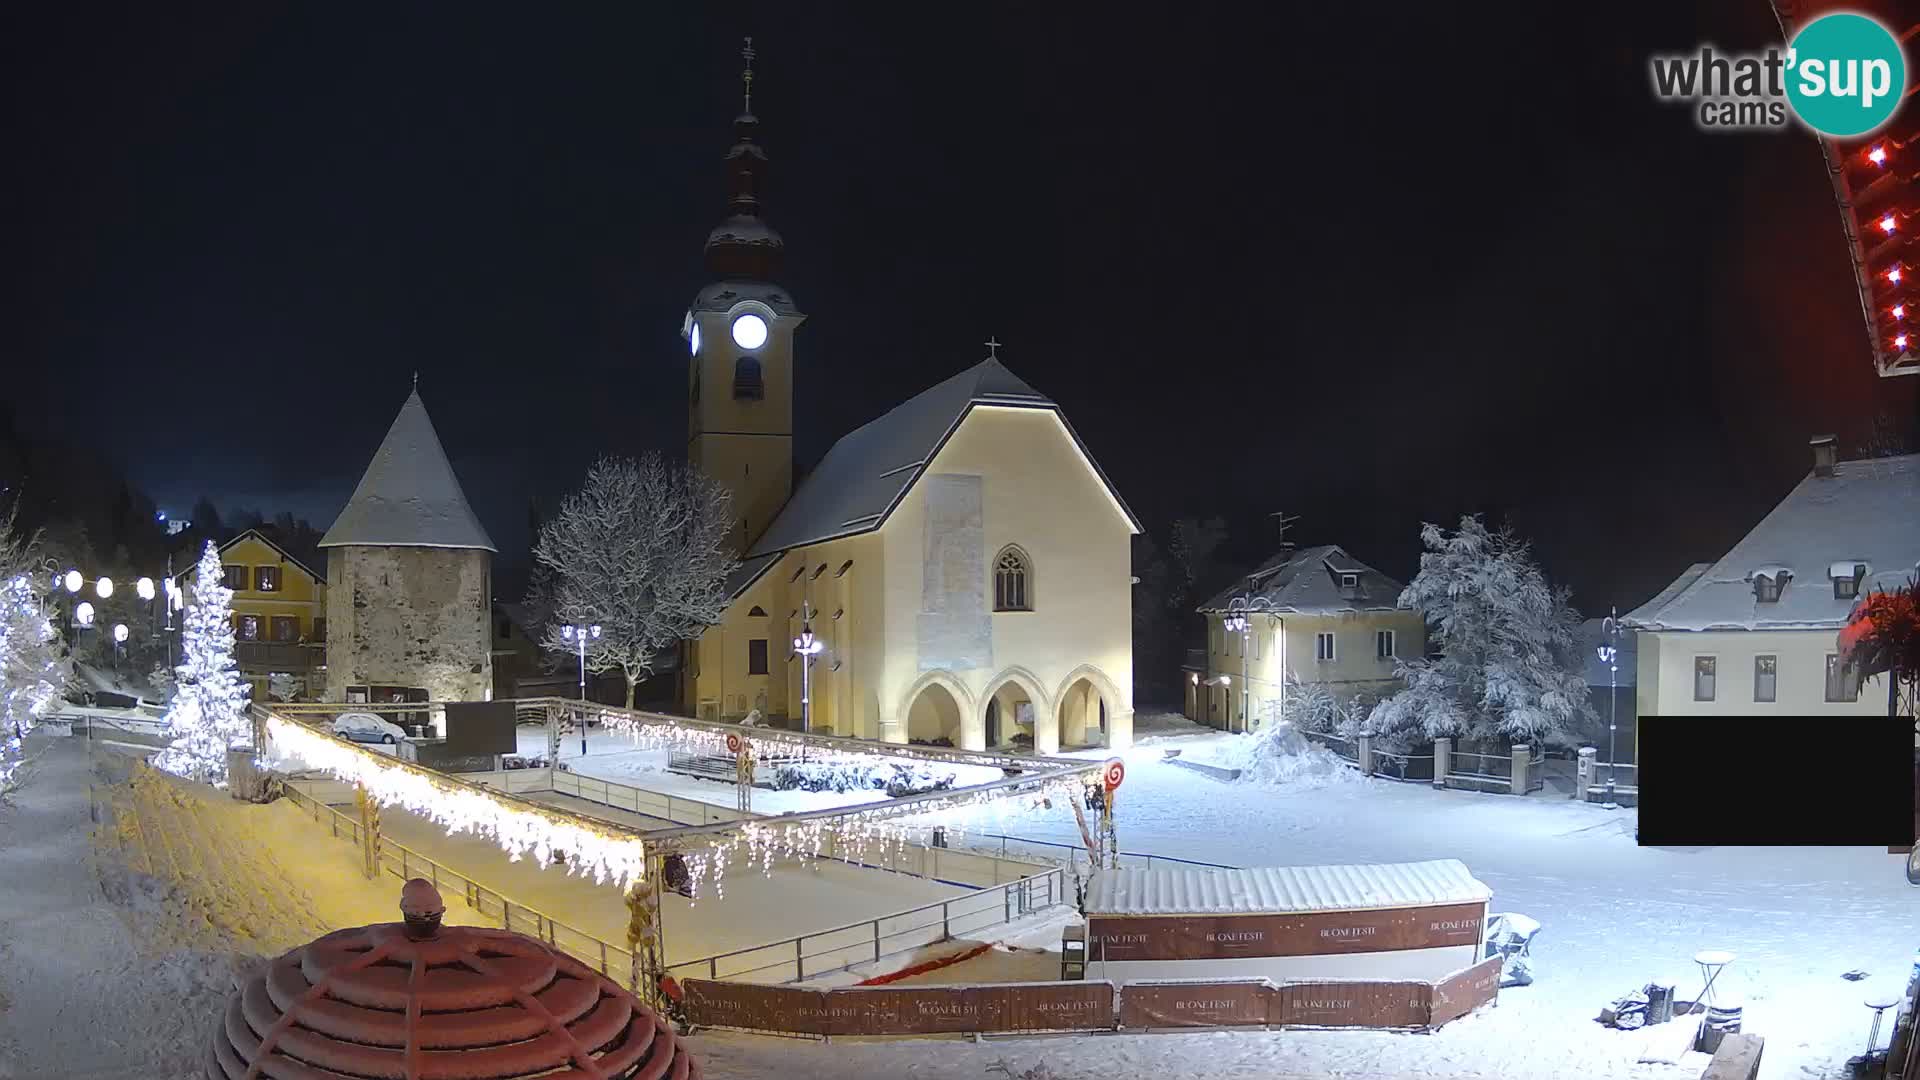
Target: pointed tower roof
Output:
[{"x": 409, "y": 496}]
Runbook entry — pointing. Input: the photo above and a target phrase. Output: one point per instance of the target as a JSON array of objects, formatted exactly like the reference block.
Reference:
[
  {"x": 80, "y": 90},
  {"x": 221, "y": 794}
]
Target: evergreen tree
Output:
[
  {"x": 208, "y": 713},
  {"x": 1511, "y": 667}
]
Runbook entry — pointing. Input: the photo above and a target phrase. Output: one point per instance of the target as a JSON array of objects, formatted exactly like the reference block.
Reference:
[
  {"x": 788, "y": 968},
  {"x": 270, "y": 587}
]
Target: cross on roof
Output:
[
  {"x": 747, "y": 54},
  {"x": 993, "y": 348}
]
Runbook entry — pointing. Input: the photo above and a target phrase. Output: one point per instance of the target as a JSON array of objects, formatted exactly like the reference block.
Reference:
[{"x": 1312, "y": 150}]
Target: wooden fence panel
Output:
[
  {"x": 1464, "y": 991},
  {"x": 1237, "y": 1003},
  {"x": 1356, "y": 1004}
]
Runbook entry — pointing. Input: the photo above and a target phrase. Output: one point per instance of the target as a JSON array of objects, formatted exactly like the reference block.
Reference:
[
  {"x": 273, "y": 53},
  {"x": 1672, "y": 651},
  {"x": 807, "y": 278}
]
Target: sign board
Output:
[
  {"x": 482, "y": 727},
  {"x": 733, "y": 743},
  {"x": 1237, "y": 1003},
  {"x": 1113, "y": 772},
  {"x": 1354, "y": 1004},
  {"x": 1313, "y": 933}
]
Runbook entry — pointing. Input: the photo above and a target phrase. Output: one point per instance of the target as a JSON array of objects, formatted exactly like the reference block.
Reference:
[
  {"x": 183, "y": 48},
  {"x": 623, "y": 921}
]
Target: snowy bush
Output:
[
  {"x": 895, "y": 779},
  {"x": 1510, "y": 667},
  {"x": 1280, "y": 754},
  {"x": 34, "y": 668}
]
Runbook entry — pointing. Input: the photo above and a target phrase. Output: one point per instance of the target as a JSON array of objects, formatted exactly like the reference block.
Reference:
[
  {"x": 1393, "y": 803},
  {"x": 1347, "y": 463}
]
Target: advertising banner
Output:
[
  {"x": 1240, "y": 1003},
  {"x": 1317, "y": 933}
]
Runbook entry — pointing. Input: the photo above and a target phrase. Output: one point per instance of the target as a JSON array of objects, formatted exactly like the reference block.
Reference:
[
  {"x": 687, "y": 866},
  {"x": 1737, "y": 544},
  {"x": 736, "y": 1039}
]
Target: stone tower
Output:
[
  {"x": 740, "y": 333},
  {"x": 409, "y": 577}
]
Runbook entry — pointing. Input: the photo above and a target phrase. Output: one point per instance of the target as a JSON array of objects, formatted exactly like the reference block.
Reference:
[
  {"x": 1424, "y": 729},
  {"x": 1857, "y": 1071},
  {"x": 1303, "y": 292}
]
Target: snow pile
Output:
[{"x": 1278, "y": 755}]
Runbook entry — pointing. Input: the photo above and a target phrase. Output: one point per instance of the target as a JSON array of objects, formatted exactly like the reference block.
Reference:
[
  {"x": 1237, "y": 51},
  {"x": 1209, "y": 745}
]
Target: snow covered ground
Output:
[{"x": 1615, "y": 916}]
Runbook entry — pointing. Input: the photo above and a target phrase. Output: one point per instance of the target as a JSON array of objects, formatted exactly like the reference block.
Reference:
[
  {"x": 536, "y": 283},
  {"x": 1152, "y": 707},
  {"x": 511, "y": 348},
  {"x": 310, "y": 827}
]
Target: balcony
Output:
[{"x": 291, "y": 657}]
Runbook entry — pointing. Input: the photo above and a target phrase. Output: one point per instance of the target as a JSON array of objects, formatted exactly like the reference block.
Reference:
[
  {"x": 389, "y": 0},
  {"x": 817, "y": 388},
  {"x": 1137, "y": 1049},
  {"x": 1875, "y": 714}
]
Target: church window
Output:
[
  {"x": 796, "y": 573},
  {"x": 821, "y": 569},
  {"x": 757, "y": 656},
  {"x": 1012, "y": 581},
  {"x": 757, "y": 612},
  {"x": 747, "y": 384},
  {"x": 844, "y": 567}
]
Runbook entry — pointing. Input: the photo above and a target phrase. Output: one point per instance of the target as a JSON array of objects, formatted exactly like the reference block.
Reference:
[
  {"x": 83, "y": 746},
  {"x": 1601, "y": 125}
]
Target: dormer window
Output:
[
  {"x": 1847, "y": 578},
  {"x": 1768, "y": 584}
]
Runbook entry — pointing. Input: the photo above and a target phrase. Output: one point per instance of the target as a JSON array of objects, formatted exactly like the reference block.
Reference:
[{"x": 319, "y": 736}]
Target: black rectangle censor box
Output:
[
  {"x": 1825, "y": 781},
  {"x": 481, "y": 727}
]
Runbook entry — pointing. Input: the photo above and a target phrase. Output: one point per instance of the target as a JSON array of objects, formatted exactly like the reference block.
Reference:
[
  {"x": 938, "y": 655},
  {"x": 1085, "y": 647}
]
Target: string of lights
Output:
[{"x": 593, "y": 849}]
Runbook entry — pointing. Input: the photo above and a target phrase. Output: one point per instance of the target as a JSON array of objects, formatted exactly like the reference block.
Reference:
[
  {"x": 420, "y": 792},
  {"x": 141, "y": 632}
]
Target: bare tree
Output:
[{"x": 642, "y": 551}]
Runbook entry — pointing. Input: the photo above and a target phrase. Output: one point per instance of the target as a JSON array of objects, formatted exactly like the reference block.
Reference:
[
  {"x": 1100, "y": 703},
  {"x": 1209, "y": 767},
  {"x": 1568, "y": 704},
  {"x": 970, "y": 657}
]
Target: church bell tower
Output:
[{"x": 739, "y": 332}]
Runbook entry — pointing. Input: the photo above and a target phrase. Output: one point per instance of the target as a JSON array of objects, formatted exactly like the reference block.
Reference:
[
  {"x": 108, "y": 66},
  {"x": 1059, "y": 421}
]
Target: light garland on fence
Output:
[
  {"x": 608, "y": 856},
  {"x": 845, "y": 769},
  {"x": 879, "y": 830}
]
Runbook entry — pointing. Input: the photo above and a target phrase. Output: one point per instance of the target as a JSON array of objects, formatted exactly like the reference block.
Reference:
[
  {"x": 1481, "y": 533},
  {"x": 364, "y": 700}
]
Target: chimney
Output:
[{"x": 1824, "y": 454}]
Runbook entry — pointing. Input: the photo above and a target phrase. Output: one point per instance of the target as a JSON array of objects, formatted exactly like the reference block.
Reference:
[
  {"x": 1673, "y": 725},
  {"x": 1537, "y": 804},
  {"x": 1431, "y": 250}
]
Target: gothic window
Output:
[
  {"x": 1012, "y": 580},
  {"x": 757, "y": 612},
  {"x": 757, "y": 656},
  {"x": 747, "y": 384}
]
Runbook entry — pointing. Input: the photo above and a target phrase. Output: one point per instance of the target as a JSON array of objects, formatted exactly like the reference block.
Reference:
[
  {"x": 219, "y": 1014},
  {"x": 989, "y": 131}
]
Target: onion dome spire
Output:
[{"x": 744, "y": 245}]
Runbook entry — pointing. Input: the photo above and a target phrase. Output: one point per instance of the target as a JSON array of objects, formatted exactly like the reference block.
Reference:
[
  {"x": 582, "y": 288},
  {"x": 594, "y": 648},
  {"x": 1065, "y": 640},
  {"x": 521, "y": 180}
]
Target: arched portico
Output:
[
  {"x": 936, "y": 705},
  {"x": 1092, "y": 711},
  {"x": 1008, "y": 689}
]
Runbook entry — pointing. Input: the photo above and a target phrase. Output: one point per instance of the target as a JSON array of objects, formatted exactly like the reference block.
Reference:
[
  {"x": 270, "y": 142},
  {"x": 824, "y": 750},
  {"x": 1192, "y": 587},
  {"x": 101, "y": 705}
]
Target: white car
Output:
[{"x": 366, "y": 727}]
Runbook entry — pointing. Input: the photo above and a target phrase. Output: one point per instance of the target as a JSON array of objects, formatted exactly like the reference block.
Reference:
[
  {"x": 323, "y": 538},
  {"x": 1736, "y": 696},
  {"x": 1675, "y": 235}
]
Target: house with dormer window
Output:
[
  {"x": 1757, "y": 631},
  {"x": 1311, "y": 615}
]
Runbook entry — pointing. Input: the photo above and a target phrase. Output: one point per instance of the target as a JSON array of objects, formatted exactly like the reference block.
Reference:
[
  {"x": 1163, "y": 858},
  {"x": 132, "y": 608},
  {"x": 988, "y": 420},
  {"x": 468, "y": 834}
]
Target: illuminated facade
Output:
[{"x": 961, "y": 562}]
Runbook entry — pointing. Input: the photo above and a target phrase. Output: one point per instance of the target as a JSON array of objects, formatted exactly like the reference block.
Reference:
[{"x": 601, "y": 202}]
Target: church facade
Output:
[{"x": 961, "y": 564}]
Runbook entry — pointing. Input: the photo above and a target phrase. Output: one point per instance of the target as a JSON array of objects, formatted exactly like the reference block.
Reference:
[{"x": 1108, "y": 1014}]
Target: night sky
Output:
[{"x": 1371, "y": 268}]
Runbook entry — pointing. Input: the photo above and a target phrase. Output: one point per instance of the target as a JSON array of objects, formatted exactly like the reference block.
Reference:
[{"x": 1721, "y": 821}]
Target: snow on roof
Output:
[
  {"x": 1869, "y": 508},
  {"x": 1258, "y": 890},
  {"x": 1847, "y": 568},
  {"x": 866, "y": 474},
  {"x": 1307, "y": 582},
  {"x": 409, "y": 496},
  {"x": 722, "y": 295}
]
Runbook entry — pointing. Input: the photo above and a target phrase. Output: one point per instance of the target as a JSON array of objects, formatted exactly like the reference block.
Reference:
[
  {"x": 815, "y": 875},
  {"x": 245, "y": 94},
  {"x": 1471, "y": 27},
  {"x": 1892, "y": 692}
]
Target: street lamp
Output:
[
  {"x": 1610, "y": 656},
  {"x": 144, "y": 588},
  {"x": 104, "y": 587},
  {"x": 580, "y": 635},
  {"x": 1237, "y": 623},
  {"x": 806, "y": 648},
  {"x": 73, "y": 581},
  {"x": 83, "y": 614}
]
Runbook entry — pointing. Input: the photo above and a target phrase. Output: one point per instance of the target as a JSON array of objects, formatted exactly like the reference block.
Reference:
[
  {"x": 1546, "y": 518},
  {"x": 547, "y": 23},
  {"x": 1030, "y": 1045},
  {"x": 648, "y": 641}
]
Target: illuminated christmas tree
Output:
[{"x": 208, "y": 714}]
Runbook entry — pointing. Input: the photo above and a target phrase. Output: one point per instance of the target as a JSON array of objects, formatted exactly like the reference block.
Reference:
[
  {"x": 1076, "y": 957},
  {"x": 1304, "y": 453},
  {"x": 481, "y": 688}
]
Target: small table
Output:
[
  {"x": 1879, "y": 1001},
  {"x": 1712, "y": 962}
]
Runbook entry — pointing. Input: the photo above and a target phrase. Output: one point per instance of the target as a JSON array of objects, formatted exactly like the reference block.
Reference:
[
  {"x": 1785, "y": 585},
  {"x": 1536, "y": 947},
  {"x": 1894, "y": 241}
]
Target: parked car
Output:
[{"x": 366, "y": 727}]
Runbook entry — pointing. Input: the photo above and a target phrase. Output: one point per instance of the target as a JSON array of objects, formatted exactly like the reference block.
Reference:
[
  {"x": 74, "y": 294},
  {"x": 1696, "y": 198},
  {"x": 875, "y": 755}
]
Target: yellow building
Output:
[
  {"x": 279, "y": 614},
  {"x": 1316, "y": 615},
  {"x": 961, "y": 562}
]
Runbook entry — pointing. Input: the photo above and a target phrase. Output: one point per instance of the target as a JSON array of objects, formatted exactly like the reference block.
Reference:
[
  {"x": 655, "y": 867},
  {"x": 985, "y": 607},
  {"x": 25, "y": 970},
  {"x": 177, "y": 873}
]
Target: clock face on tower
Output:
[{"x": 749, "y": 331}]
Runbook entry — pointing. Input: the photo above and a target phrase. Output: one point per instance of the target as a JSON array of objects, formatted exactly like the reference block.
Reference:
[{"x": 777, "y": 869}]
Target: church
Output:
[{"x": 955, "y": 572}]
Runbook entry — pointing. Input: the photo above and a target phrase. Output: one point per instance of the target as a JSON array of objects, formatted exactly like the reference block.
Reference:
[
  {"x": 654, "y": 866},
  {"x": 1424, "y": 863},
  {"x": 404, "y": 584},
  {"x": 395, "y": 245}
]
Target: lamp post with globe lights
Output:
[
  {"x": 1610, "y": 656},
  {"x": 580, "y": 635},
  {"x": 1237, "y": 621},
  {"x": 806, "y": 647}
]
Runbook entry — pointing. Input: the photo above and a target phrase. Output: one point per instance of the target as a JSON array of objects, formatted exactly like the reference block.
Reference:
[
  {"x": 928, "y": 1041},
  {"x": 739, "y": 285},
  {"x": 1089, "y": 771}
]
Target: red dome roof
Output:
[{"x": 466, "y": 1003}]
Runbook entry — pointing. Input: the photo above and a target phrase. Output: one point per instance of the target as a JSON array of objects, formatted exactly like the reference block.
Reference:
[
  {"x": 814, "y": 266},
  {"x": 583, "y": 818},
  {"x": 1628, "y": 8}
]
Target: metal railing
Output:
[
  {"x": 675, "y": 808},
  {"x": 825, "y": 952},
  {"x": 1491, "y": 770},
  {"x": 1403, "y": 766},
  {"x": 405, "y": 863},
  {"x": 1126, "y": 857},
  {"x": 1626, "y": 778}
]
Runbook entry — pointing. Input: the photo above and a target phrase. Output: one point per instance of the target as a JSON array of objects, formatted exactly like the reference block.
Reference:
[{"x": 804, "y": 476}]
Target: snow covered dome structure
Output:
[{"x": 418, "y": 1000}]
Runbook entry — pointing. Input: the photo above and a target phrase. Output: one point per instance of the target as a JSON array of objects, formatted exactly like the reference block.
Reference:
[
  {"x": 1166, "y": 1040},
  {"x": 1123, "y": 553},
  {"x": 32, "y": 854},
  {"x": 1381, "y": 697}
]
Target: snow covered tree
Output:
[
  {"x": 208, "y": 713},
  {"x": 1511, "y": 667},
  {"x": 34, "y": 666},
  {"x": 642, "y": 551}
]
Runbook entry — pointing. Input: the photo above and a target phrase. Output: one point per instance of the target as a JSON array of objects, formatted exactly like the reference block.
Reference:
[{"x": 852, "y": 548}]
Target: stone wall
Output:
[{"x": 410, "y": 616}]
